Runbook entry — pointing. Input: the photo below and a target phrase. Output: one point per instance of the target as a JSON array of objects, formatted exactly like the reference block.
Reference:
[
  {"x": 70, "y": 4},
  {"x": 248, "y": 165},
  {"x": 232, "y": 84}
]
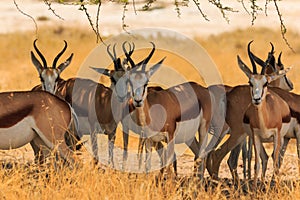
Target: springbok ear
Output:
[
  {"x": 154, "y": 68},
  {"x": 65, "y": 64},
  {"x": 278, "y": 74},
  {"x": 36, "y": 63},
  {"x": 103, "y": 71},
  {"x": 284, "y": 71},
  {"x": 244, "y": 67}
]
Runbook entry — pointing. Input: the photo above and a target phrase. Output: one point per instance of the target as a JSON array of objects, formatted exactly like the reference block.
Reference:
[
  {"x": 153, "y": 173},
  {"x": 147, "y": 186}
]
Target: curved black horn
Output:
[
  {"x": 120, "y": 67},
  {"x": 109, "y": 53},
  {"x": 40, "y": 54},
  {"x": 128, "y": 54},
  {"x": 258, "y": 60},
  {"x": 149, "y": 57},
  {"x": 279, "y": 61},
  {"x": 271, "y": 62},
  {"x": 114, "y": 51},
  {"x": 115, "y": 60},
  {"x": 59, "y": 55},
  {"x": 252, "y": 59},
  {"x": 272, "y": 49},
  {"x": 113, "y": 56},
  {"x": 131, "y": 49}
]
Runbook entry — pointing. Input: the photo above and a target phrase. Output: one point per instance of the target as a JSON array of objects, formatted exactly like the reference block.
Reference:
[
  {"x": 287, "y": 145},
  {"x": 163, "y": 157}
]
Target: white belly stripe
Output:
[
  {"x": 18, "y": 135},
  {"x": 267, "y": 134},
  {"x": 186, "y": 130}
]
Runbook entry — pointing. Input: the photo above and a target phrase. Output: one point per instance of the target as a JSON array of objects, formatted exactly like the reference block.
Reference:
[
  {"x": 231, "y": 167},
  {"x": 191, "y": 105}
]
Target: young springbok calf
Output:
[
  {"x": 38, "y": 118},
  {"x": 268, "y": 117}
]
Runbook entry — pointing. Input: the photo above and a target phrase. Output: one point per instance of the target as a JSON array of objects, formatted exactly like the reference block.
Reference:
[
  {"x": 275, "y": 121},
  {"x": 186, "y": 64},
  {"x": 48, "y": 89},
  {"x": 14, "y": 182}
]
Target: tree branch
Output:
[
  {"x": 27, "y": 15},
  {"x": 282, "y": 26},
  {"x": 124, "y": 25},
  {"x": 197, "y": 3},
  {"x": 48, "y": 3},
  {"x": 222, "y": 9},
  {"x": 84, "y": 9}
]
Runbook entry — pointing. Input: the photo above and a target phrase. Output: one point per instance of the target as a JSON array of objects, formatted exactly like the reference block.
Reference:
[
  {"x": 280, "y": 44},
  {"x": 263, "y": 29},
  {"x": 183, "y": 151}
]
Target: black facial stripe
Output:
[
  {"x": 131, "y": 85},
  {"x": 287, "y": 82},
  {"x": 113, "y": 80},
  {"x": 262, "y": 94},
  {"x": 265, "y": 85},
  {"x": 42, "y": 80},
  {"x": 145, "y": 87}
]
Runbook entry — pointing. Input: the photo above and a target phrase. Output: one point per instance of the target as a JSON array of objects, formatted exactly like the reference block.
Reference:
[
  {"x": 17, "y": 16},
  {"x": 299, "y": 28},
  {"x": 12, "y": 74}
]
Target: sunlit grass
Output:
[
  {"x": 25, "y": 182},
  {"x": 86, "y": 182}
]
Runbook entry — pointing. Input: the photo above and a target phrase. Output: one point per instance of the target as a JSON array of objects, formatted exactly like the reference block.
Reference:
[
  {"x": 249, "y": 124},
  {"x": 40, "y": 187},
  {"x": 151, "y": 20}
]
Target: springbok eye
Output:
[{"x": 251, "y": 85}]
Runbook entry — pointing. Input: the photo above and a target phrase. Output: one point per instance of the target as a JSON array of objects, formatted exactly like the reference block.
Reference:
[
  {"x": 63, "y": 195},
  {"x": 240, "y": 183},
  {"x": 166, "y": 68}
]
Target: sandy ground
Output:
[{"x": 190, "y": 23}]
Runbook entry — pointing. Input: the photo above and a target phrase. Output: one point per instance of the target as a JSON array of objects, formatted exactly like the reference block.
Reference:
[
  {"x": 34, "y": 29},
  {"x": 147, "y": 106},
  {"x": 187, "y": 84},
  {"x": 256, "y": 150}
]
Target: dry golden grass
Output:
[
  {"x": 24, "y": 181},
  {"x": 86, "y": 182}
]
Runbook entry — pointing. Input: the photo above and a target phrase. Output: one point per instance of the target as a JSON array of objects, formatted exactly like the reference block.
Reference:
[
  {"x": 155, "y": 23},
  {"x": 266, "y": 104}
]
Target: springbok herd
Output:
[{"x": 56, "y": 119}]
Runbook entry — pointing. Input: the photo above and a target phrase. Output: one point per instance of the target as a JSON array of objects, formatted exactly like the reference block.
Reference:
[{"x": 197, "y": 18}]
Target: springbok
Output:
[
  {"x": 270, "y": 66},
  {"x": 173, "y": 115},
  {"x": 293, "y": 102},
  {"x": 125, "y": 123},
  {"x": 91, "y": 101},
  {"x": 38, "y": 118},
  {"x": 294, "y": 131},
  {"x": 239, "y": 95},
  {"x": 268, "y": 118}
]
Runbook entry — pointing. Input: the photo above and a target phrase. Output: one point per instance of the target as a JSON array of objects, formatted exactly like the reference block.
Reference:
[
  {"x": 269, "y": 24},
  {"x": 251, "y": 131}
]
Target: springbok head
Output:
[
  {"x": 50, "y": 75},
  {"x": 118, "y": 75},
  {"x": 259, "y": 82},
  {"x": 271, "y": 66},
  {"x": 139, "y": 78}
]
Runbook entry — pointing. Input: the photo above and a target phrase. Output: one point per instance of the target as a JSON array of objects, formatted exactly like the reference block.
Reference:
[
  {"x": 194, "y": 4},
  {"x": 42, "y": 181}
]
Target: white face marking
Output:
[
  {"x": 258, "y": 85},
  {"x": 49, "y": 79},
  {"x": 138, "y": 82},
  {"x": 186, "y": 130}
]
